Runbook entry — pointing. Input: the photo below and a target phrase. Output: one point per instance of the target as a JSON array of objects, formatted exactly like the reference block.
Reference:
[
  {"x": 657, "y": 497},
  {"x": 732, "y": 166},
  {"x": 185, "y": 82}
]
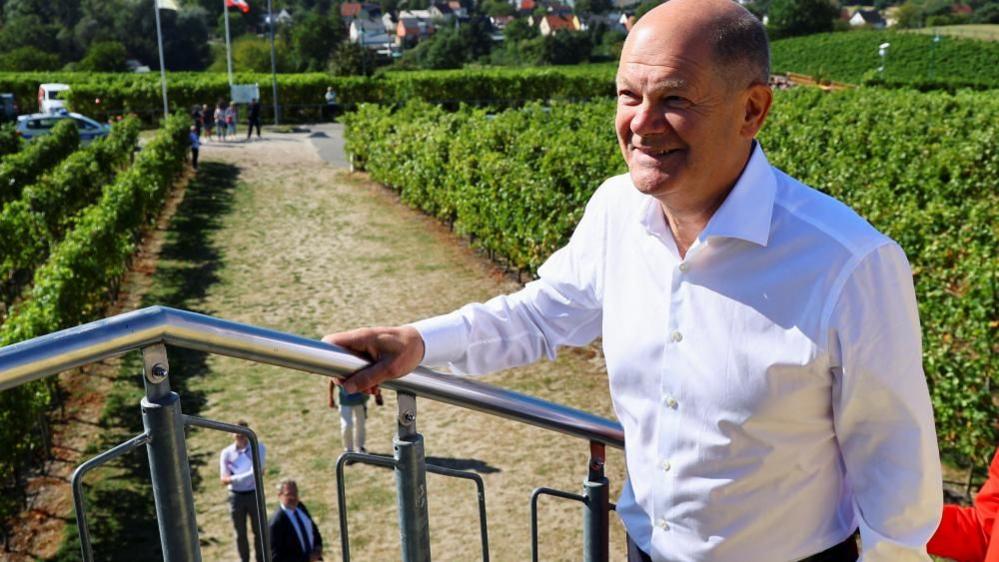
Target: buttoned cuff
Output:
[{"x": 445, "y": 338}]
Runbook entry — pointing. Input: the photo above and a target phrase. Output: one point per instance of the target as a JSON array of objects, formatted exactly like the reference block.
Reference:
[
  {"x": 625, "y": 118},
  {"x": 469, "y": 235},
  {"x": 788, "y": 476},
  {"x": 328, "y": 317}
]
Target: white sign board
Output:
[{"x": 244, "y": 93}]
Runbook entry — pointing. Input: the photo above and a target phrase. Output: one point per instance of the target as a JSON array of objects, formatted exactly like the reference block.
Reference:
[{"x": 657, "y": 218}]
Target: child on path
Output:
[{"x": 195, "y": 141}]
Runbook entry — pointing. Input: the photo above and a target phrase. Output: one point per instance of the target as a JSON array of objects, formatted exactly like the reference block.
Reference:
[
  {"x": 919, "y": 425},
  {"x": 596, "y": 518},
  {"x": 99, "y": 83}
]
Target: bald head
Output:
[{"x": 734, "y": 38}]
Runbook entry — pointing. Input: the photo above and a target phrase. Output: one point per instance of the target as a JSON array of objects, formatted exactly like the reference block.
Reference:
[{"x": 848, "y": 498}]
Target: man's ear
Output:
[{"x": 757, "y": 99}]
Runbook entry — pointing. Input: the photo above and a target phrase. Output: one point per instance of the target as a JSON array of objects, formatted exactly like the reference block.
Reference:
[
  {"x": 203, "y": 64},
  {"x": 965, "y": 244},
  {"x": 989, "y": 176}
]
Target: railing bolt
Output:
[{"x": 159, "y": 372}]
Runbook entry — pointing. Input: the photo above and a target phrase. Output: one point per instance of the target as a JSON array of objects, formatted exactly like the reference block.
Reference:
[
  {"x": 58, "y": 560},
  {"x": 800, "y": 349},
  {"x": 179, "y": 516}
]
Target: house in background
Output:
[
  {"x": 349, "y": 11},
  {"x": 369, "y": 33},
  {"x": 441, "y": 11},
  {"x": 459, "y": 11},
  {"x": 500, "y": 22},
  {"x": 554, "y": 24},
  {"x": 870, "y": 18},
  {"x": 410, "y": 31}
]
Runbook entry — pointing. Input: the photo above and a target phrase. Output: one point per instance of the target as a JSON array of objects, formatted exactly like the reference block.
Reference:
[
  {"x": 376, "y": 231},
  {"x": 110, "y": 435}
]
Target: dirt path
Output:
[{"x": 310, "y": 249}]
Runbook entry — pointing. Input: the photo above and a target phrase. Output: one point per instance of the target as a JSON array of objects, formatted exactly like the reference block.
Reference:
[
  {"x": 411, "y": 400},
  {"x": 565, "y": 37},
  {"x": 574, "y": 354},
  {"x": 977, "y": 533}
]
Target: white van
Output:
[{"x": 50, "y": 97}]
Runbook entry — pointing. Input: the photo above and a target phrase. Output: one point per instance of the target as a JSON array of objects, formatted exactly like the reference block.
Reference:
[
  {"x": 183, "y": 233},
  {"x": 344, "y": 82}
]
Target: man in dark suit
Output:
[{"x": 294, "y": 536}]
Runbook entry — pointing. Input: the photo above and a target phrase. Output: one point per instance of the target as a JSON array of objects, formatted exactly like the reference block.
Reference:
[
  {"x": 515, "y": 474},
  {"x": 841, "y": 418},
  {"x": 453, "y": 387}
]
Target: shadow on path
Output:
[{"x": 119, "y": 500}]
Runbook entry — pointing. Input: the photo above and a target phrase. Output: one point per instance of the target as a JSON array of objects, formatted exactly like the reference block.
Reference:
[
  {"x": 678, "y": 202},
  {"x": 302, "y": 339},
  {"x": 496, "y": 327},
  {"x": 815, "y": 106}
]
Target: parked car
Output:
[
  {"x": 50, "y": 97},
  {"x": 40, "y": 124},
  {"x": 8, "y": 108}
]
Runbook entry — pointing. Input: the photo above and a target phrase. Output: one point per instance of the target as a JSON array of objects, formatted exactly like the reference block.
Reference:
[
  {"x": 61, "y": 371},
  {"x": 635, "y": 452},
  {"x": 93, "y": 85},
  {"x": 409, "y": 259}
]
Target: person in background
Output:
[
  {"x": 230, "y": 119},
  {"x": 253, "y": 118},
  {"x": 195, "y": 141},
  {"x": 331, "y": 104},
  {"x": 970, "y": 534},
  {"x": 197, "y": 119},
  {"x": 294, "y": 535},
  {"x": 208, "y": 119},
  {"x": 220, "y": 121},
  {"x": 236, "y": 473},
  {"x": 353, "y": 414}
]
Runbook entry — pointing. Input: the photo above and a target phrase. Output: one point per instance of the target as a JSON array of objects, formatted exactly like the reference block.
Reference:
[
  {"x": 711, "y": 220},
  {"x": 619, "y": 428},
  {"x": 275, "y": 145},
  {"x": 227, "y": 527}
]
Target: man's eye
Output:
[
  {"x": 625, "y": 96},
  {"x": 676, "y": 101}
]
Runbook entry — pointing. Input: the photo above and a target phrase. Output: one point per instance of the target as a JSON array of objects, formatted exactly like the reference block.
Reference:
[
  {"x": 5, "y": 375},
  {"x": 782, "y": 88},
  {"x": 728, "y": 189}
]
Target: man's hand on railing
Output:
[{"x": 395, "y": 352}]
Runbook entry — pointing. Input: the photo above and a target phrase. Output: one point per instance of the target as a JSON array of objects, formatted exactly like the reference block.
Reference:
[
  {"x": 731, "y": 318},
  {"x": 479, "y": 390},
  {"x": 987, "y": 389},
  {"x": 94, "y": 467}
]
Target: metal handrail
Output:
[{"x": 103, "y": 339}]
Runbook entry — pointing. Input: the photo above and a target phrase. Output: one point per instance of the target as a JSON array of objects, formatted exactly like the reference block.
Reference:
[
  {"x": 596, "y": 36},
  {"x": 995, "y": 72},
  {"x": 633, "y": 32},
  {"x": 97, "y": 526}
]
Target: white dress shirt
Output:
[
  {"x": 238, "y": 463},
  {"x": 769, "y": 384}
]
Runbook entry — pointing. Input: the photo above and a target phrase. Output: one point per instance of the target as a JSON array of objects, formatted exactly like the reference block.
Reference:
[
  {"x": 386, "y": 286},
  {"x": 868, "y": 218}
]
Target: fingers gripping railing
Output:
[{"x": 149, "y": 329}]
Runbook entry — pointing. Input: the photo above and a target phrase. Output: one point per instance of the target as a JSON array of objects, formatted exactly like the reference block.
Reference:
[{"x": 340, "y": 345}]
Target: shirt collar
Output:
[
  {"x": 745, "y": 213},
  {"x": 748, "y": 208}
]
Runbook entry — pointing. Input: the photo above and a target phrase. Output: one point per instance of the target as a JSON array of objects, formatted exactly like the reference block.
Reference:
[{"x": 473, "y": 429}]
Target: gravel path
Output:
[{"x": 310, "y": 248}]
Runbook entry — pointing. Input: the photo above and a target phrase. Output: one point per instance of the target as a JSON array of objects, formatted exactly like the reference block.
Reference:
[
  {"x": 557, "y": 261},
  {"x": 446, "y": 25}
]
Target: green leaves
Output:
[
  {"x": 83, "y": 268},
  {"x": 40, "y": 155},
  {"x": 913, "y": 59}
]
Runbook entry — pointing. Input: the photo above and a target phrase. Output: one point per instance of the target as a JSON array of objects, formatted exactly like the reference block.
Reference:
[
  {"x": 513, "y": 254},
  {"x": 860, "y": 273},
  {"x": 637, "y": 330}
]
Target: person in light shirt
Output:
[
  {"x": 236, "y": 473},
  {"x": 762, "y": 340}
]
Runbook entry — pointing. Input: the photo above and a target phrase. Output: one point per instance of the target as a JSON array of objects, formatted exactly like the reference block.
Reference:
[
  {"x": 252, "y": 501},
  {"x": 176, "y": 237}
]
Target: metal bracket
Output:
[
  {"x": 261, "y": 532},
  {"x": 386, "y": 462},
  {"x": 155, "y": 364},
  {"x": 407, "y": 414},
  {"x": 77, "y": 484},
  {"x": 595, "y": 491},
  {"x": 157, "y": 372}
]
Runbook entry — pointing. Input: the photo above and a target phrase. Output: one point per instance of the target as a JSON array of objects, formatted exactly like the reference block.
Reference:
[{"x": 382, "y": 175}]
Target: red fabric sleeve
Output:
[
  {"x": 987, "y": 504},
  {"x": 970, "y": 534},
  {"x": 959, "y": 536}
]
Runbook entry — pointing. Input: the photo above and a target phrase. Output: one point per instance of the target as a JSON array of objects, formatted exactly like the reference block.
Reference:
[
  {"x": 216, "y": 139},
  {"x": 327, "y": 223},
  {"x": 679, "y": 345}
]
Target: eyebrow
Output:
[{"x": 657, "y": 86}]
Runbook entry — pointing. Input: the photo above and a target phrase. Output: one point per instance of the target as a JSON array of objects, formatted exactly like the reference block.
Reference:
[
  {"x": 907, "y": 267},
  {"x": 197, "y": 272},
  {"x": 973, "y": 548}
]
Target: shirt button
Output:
[
  {"x": 662, "y": 524},
  {"x": 684, "y": 267},
  {"x": 676, "y": 336},
  {"x": 665, "y": 465},
  {"x": 671, "y": 402}
]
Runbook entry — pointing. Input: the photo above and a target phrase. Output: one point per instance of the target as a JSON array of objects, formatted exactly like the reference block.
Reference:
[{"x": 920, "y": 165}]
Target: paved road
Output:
[{"x": 328, "y": 140}]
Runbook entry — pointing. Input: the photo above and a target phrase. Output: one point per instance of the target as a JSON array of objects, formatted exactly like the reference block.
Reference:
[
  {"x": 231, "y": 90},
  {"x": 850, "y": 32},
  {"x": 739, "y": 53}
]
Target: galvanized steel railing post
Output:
[
  {"x": 596, "y": 508},
  {"x": 169, "y": 470},
  {"x": 411, "y": 484}
]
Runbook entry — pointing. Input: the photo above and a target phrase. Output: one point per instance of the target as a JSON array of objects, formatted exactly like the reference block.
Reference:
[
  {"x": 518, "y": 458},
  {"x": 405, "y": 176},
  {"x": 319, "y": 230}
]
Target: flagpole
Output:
[
  {"x": 270, "y": 20},
  {"x": 159, "y": 41},
  {"x": 228, "y": 48}
]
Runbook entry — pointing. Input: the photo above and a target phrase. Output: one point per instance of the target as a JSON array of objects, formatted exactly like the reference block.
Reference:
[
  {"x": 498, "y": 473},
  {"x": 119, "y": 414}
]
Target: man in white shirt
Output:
[
  {"x": 236, "y": 473},
  {"x": 762, "y": 340}
]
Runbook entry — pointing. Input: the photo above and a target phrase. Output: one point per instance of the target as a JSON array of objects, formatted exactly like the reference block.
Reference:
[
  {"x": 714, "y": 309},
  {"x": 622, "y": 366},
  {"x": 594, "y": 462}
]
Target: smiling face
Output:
[{"x": 681, "y": 121}]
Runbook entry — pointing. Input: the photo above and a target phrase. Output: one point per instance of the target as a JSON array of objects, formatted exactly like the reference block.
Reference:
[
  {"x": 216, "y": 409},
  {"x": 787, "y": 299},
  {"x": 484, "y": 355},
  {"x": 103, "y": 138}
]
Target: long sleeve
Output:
[
  {"x": 246, "y": 477},
  {"x": 881, "y": 408},
  {"x": 563, "y": 307}
]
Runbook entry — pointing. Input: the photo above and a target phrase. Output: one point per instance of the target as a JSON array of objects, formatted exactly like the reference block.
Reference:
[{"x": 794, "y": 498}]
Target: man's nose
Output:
[{"x": 648, "y": 119}]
